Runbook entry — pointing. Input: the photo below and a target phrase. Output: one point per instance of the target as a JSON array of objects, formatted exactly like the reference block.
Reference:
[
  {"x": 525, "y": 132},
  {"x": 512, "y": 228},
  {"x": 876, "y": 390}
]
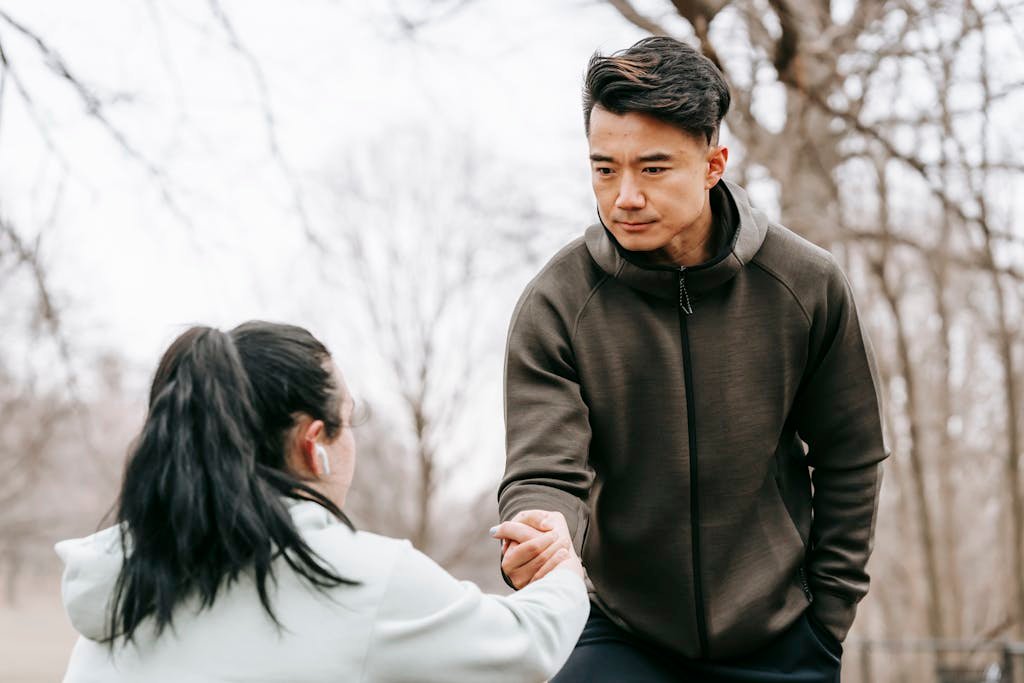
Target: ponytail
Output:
[{"x": 197, "y": 506}]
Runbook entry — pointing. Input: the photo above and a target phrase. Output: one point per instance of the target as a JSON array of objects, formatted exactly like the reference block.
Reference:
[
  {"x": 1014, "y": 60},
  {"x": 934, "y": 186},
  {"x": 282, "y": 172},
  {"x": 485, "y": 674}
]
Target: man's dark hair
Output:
[{"x": 663, "y": 78}]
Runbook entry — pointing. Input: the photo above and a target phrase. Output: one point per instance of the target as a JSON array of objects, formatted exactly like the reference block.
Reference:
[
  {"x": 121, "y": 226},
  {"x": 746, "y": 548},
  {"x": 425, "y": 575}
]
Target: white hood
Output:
[{"x": 91, "y": 566}]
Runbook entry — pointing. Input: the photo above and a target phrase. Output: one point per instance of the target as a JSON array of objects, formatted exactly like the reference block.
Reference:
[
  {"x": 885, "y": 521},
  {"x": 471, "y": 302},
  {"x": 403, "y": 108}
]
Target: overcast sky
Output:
[
  {"x": 230, "y": 128},
  {"x": 198, "y": 223},
  {"x": 228, "y": 244}
]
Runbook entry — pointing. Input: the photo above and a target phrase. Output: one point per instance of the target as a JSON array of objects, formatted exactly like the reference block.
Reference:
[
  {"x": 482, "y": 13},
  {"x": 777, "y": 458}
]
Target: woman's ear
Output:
[
  {"x": 311, "y": 459},
  {"x": 304, "y": 457}
]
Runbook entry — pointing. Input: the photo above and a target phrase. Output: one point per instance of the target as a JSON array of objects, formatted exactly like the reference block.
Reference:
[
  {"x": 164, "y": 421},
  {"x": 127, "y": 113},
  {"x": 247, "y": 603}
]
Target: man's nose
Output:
[{"x": 630, "y": 197}]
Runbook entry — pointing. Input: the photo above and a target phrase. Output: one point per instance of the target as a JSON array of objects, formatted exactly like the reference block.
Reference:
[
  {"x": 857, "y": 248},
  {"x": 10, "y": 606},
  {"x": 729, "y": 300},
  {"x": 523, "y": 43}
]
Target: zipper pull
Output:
[
  {"x": 684, "y": 296},
  {"x": 803, "y": 584}
]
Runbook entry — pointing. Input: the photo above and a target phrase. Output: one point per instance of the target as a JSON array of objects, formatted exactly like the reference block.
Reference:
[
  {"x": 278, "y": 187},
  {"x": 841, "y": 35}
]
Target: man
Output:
[{"x": 673, "y": 378}]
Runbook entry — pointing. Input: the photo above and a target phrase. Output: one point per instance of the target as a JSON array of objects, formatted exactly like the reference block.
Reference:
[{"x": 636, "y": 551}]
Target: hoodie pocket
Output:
[
  {"x": 789, "y": 515},
  {"x": 793, "y": 488},
  {"x": 788, "y": 525},
  {"x": 823, "y": 637}
]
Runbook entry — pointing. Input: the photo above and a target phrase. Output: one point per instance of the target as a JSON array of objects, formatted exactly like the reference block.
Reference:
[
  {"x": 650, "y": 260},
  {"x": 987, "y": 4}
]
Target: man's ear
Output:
[{"x": 718, "y": 157}]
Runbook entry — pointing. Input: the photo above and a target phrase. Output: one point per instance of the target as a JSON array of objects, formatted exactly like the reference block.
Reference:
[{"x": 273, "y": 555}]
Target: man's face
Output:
[{"x": 651, "y": 179}]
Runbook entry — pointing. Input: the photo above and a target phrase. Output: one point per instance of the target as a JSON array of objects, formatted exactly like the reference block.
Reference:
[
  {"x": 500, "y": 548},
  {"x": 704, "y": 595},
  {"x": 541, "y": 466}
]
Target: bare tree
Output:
[
  {"x": 434, "y": 325},
  {"x": 428, "y": 236},
  {"x": 34, "y": 75}
]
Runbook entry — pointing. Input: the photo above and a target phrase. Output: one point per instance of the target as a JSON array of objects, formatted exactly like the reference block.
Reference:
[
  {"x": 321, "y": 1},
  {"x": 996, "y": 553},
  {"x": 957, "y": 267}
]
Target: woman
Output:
[{"x": 233, "y": 560}]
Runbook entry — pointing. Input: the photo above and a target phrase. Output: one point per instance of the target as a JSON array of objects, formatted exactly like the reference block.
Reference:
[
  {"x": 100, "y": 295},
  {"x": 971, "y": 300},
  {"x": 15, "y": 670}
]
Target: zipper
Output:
[
  {"x": 686, "y": 310},
  {"x": 684, "y": 296},
  {"x": 803, "y": 584}
]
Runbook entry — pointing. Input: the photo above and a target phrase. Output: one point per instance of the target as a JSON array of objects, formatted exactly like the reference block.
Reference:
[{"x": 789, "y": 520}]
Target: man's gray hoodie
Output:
[{"x": 675, "y": 417}]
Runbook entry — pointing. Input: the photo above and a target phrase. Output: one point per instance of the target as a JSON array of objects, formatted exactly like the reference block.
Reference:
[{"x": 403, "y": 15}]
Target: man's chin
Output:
[{"x": 639, "y": 242}]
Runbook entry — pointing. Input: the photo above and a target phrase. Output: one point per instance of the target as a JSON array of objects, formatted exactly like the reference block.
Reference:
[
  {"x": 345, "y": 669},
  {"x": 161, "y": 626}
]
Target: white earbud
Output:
[{"x": 325, "y": 463}]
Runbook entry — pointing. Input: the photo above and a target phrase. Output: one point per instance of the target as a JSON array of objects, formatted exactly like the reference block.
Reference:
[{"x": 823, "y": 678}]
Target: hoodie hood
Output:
[
  {"x": 749, "y": 228},
  {"x": 92, "y": 565}
]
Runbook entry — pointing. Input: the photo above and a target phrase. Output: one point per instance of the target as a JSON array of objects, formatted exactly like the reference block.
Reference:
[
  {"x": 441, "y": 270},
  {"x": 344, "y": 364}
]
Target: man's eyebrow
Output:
[
  {"x": 655, "y": 156},
  {"x": 643, "y": 158}
]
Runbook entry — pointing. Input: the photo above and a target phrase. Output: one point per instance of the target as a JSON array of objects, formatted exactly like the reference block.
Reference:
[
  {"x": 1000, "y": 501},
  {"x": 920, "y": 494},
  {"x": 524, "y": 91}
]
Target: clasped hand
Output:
[{"x": 533, "y": 543}]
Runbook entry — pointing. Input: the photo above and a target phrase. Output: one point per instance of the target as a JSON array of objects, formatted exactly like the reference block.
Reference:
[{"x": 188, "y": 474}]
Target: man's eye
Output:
[
  {"x": 655, "y": 170},
  {"x": 603, "y": 170}
]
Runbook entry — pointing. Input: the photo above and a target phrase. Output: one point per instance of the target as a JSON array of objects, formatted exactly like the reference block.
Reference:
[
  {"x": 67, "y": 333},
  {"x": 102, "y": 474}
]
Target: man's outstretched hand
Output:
[{"x": 533, "y": 543}]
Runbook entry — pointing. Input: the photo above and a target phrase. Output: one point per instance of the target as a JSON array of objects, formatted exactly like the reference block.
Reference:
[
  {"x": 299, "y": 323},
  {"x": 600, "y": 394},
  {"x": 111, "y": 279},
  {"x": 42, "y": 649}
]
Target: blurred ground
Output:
[{"x": 35, "y": 636}]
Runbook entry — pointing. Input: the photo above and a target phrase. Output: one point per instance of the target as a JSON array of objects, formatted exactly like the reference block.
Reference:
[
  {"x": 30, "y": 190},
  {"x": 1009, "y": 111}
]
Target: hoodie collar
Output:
[{"x": 748, "y": 227}]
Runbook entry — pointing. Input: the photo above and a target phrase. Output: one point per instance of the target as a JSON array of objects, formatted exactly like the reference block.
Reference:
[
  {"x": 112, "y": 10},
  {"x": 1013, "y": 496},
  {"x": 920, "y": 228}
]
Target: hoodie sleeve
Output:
[
  {"x": 838, "y": 415},
  {"x": 547, "y": 427},
  {"x": 431, "y": 627}
]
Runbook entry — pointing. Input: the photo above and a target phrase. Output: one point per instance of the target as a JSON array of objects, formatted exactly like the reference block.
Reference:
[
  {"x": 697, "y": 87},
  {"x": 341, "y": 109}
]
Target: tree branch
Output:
[
  {"x": 298, "y": 199},
  {"x": 642, "y": 21},
  {"x": 94, "y": 108},
  {"x": 700, "y": 14},
  {"x": 787, "y": 48}
]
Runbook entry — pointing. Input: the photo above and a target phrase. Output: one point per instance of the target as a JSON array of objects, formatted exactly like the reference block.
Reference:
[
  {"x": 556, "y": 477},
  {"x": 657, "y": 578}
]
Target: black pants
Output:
[{"x": 804, "y": 653}]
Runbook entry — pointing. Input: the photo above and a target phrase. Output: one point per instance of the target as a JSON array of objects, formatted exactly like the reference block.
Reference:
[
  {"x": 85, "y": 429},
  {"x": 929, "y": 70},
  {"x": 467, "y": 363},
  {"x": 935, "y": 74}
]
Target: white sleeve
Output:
[{"x": 431, "y": 627}]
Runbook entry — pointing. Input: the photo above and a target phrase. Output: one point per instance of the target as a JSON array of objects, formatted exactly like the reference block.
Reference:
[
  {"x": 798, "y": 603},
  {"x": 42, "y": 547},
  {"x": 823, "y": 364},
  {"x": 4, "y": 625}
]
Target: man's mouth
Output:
[{"x": 634, "y": 226}]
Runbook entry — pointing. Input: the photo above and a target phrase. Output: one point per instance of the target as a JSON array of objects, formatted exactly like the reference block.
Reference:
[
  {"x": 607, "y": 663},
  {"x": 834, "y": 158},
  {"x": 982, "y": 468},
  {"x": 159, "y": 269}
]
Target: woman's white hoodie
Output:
[{"x": 406, "y": 620}]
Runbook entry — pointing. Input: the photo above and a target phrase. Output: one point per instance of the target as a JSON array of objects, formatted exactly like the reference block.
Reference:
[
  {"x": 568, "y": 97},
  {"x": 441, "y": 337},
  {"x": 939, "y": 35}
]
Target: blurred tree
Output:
[
  {"x": 426, "y": 258},
  {"x": 44, "y": 412},
  {"x": 443, "y": 239}
]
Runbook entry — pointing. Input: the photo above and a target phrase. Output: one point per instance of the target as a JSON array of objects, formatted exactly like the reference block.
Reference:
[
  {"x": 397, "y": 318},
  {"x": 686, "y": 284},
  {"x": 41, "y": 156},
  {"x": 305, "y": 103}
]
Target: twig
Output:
[{"x": 298, "y": 200}]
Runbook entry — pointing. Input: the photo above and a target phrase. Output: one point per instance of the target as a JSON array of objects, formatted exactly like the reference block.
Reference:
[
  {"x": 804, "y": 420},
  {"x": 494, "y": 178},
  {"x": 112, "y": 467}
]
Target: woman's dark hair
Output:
[
  {"x": 663, "y": 78},
  {"x": 202, "y": 497}
]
